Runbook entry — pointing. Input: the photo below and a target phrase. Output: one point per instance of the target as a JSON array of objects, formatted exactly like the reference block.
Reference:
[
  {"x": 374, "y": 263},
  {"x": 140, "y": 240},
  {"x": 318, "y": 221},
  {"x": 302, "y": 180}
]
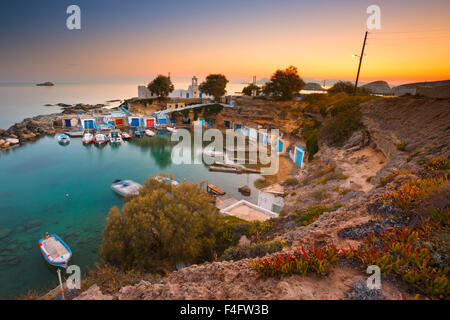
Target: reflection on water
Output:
[{"x": 66, "y": 190}]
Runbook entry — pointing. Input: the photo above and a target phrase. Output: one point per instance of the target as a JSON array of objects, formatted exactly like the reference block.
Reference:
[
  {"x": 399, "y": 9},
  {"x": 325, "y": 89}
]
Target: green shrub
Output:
[
  {"x": 320, "y": 194},
  {"x": 161, "y": 227},
  {"x": 310, "y": 131},
  {"x": 261, "y": 183},
  {"x": 312, "y": 146},
  {"x": 252, "y": 251},
  {"x": 111, "y": 279},
  {"x": 345, "y": 119},
  {"x": 401, "y": 146},
  {"x": 230, "y": 231},
  {"x": 308, "y": 216},
  {"x": 439, "y": 163},
  {"x": 292, "y": 181}
]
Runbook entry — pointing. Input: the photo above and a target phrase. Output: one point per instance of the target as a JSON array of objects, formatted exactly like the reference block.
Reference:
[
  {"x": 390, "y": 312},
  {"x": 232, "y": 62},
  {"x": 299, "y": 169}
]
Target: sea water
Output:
[{"x": 47, "y": 187}]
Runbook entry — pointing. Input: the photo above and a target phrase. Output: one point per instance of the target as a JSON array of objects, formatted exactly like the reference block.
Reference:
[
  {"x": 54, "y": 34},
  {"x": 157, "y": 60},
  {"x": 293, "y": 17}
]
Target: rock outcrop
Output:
[
  {"x": 93, "y": 293},
  {"x": 313, "y": 86},
  {"x": 378, "y": 87},
  {"x": 419, "y": 124},
  {"x": 411, "y": 88}
]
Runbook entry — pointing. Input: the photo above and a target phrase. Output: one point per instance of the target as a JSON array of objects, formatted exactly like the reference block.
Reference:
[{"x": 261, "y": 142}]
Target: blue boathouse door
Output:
[
  {"x": 68, "y": 123},
  {"x": 280, "y": 146},
  {"x": 89, "y": 124}
]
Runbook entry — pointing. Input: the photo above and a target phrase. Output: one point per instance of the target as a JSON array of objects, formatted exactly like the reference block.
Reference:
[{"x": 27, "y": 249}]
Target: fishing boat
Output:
[
  {"x": 87, "y": 138},
  {"x": 172, "y": 129},
  {"x": 100, "y": 138},
  {"x": 138, "y": 134},
  {"x": 214, "y": 190},
  {"x": 167, "y": 180},
  {"x": 115, "y": 137},
  {"x": 55, "y": 251},
  {"x": 126, "y": 136},
  {"x": 126, "y": 187},
  {"x": 149, "y": 133},
  {"x": 63, "y": 138}
]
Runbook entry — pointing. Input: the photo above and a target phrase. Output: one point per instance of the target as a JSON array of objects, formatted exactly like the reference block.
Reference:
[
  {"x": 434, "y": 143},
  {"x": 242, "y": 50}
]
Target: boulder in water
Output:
[
  {"x": 245, "y": 190},
  {"x": 5, "y": 233},
  {"x": 34, "y": 224}
]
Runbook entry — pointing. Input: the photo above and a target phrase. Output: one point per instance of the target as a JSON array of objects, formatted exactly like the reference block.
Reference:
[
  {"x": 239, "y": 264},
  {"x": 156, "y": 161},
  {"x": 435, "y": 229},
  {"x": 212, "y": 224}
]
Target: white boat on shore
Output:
[
  {"x": 100, "y": 138},
  {"x": 126, "y": 187},
  {"x": 87, "y": 138},
  {"x": 166, "y": 180},
  {"x": 149, "y": 133}
]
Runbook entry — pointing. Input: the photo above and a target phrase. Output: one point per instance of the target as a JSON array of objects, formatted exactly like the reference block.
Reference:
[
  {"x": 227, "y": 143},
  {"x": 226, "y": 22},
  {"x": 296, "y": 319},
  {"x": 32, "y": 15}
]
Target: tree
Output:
[
  {"x": 214, "y": 85},
  {"x": 284, "y": 84},
  {"x": 161, "y": 227},
  {"x": 162, "y": 86},
  {"x": 248, "y": 90},
  {"x": 347, "y": 87}
]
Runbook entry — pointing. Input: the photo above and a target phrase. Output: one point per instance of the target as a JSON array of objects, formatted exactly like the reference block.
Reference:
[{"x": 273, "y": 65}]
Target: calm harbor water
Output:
[{"x": 35, "y": 179}]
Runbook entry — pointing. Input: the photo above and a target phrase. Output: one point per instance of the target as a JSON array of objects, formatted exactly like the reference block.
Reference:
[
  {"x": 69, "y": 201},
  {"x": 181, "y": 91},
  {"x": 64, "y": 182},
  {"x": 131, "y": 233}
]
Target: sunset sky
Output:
[{"x": 134, "y": 40}]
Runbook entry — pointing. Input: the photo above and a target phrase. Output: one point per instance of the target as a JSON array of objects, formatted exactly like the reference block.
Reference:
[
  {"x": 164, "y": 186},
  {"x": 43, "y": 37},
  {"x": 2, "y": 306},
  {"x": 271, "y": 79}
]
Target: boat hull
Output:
[{"x": 47, "y": 256}]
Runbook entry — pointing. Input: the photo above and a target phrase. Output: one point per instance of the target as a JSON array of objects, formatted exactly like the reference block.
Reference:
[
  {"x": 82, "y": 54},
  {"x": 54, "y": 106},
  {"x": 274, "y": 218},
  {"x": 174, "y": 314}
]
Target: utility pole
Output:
[{"x": 360, "y": 61}]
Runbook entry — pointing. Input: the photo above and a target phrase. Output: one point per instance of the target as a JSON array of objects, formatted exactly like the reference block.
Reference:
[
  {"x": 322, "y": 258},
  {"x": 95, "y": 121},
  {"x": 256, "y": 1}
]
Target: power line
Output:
[
  {"x": 417, "y": 31},
  {"x": 412, "y": 38}
]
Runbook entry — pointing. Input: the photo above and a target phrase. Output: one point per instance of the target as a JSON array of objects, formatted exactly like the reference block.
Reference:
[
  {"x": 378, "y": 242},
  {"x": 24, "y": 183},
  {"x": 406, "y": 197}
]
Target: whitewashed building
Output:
[
  {"x": 192, "y": 92},
  {"x": 271, "y": 198}
]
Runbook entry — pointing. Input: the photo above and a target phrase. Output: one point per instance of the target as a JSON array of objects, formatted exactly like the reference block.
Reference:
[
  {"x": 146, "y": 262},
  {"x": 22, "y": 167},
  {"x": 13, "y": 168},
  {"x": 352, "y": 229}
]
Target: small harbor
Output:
[{"x": 66, "y": 189}]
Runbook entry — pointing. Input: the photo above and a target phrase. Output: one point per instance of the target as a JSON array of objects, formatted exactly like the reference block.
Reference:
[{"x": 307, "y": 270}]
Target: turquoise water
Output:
[{"x": 35, "y": 179}]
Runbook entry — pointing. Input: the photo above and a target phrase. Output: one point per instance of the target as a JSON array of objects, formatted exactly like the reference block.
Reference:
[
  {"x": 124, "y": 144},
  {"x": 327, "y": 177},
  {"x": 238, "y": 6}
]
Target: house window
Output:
[{"x": 276, "y": 208}]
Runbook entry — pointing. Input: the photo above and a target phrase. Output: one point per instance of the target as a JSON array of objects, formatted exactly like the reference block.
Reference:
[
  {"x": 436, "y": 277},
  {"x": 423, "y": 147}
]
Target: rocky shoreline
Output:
[{"x": 30, "y": 129}]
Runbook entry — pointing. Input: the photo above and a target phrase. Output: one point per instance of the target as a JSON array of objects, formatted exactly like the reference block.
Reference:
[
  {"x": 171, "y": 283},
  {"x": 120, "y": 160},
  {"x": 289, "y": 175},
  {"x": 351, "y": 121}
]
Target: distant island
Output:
[{"x": 46, "y": 84}]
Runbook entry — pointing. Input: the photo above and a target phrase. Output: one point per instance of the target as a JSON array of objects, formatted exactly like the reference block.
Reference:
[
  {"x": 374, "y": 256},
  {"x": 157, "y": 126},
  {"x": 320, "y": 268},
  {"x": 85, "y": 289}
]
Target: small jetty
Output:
[
  {"x": 225, "y": 167},
  {"x": 215, "y": 190}
]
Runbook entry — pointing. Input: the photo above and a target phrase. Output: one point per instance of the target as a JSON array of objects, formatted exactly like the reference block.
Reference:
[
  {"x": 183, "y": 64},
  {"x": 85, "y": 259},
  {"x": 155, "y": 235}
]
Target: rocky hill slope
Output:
[{"x": 347, "y": 183}]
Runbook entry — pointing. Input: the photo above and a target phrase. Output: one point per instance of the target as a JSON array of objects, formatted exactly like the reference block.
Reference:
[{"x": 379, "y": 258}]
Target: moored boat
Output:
[
  {"x": 126, "y": 136},
  {"x": 214, "y": 190},
  {"x": 100, "y": 138},
  {"x": 172, "y": 129},
  {"x": 63, "y": 138},
  {"x": 149, "y": 133},
  {"x": 54, "y": 250},
  {"x": 115, "y": 136},
  {"x": 138, "y": 134},
  {"x": 167, "y": 180},
  {"x": 87, "y": 138},
  {"x": 126, "y": 187}
]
